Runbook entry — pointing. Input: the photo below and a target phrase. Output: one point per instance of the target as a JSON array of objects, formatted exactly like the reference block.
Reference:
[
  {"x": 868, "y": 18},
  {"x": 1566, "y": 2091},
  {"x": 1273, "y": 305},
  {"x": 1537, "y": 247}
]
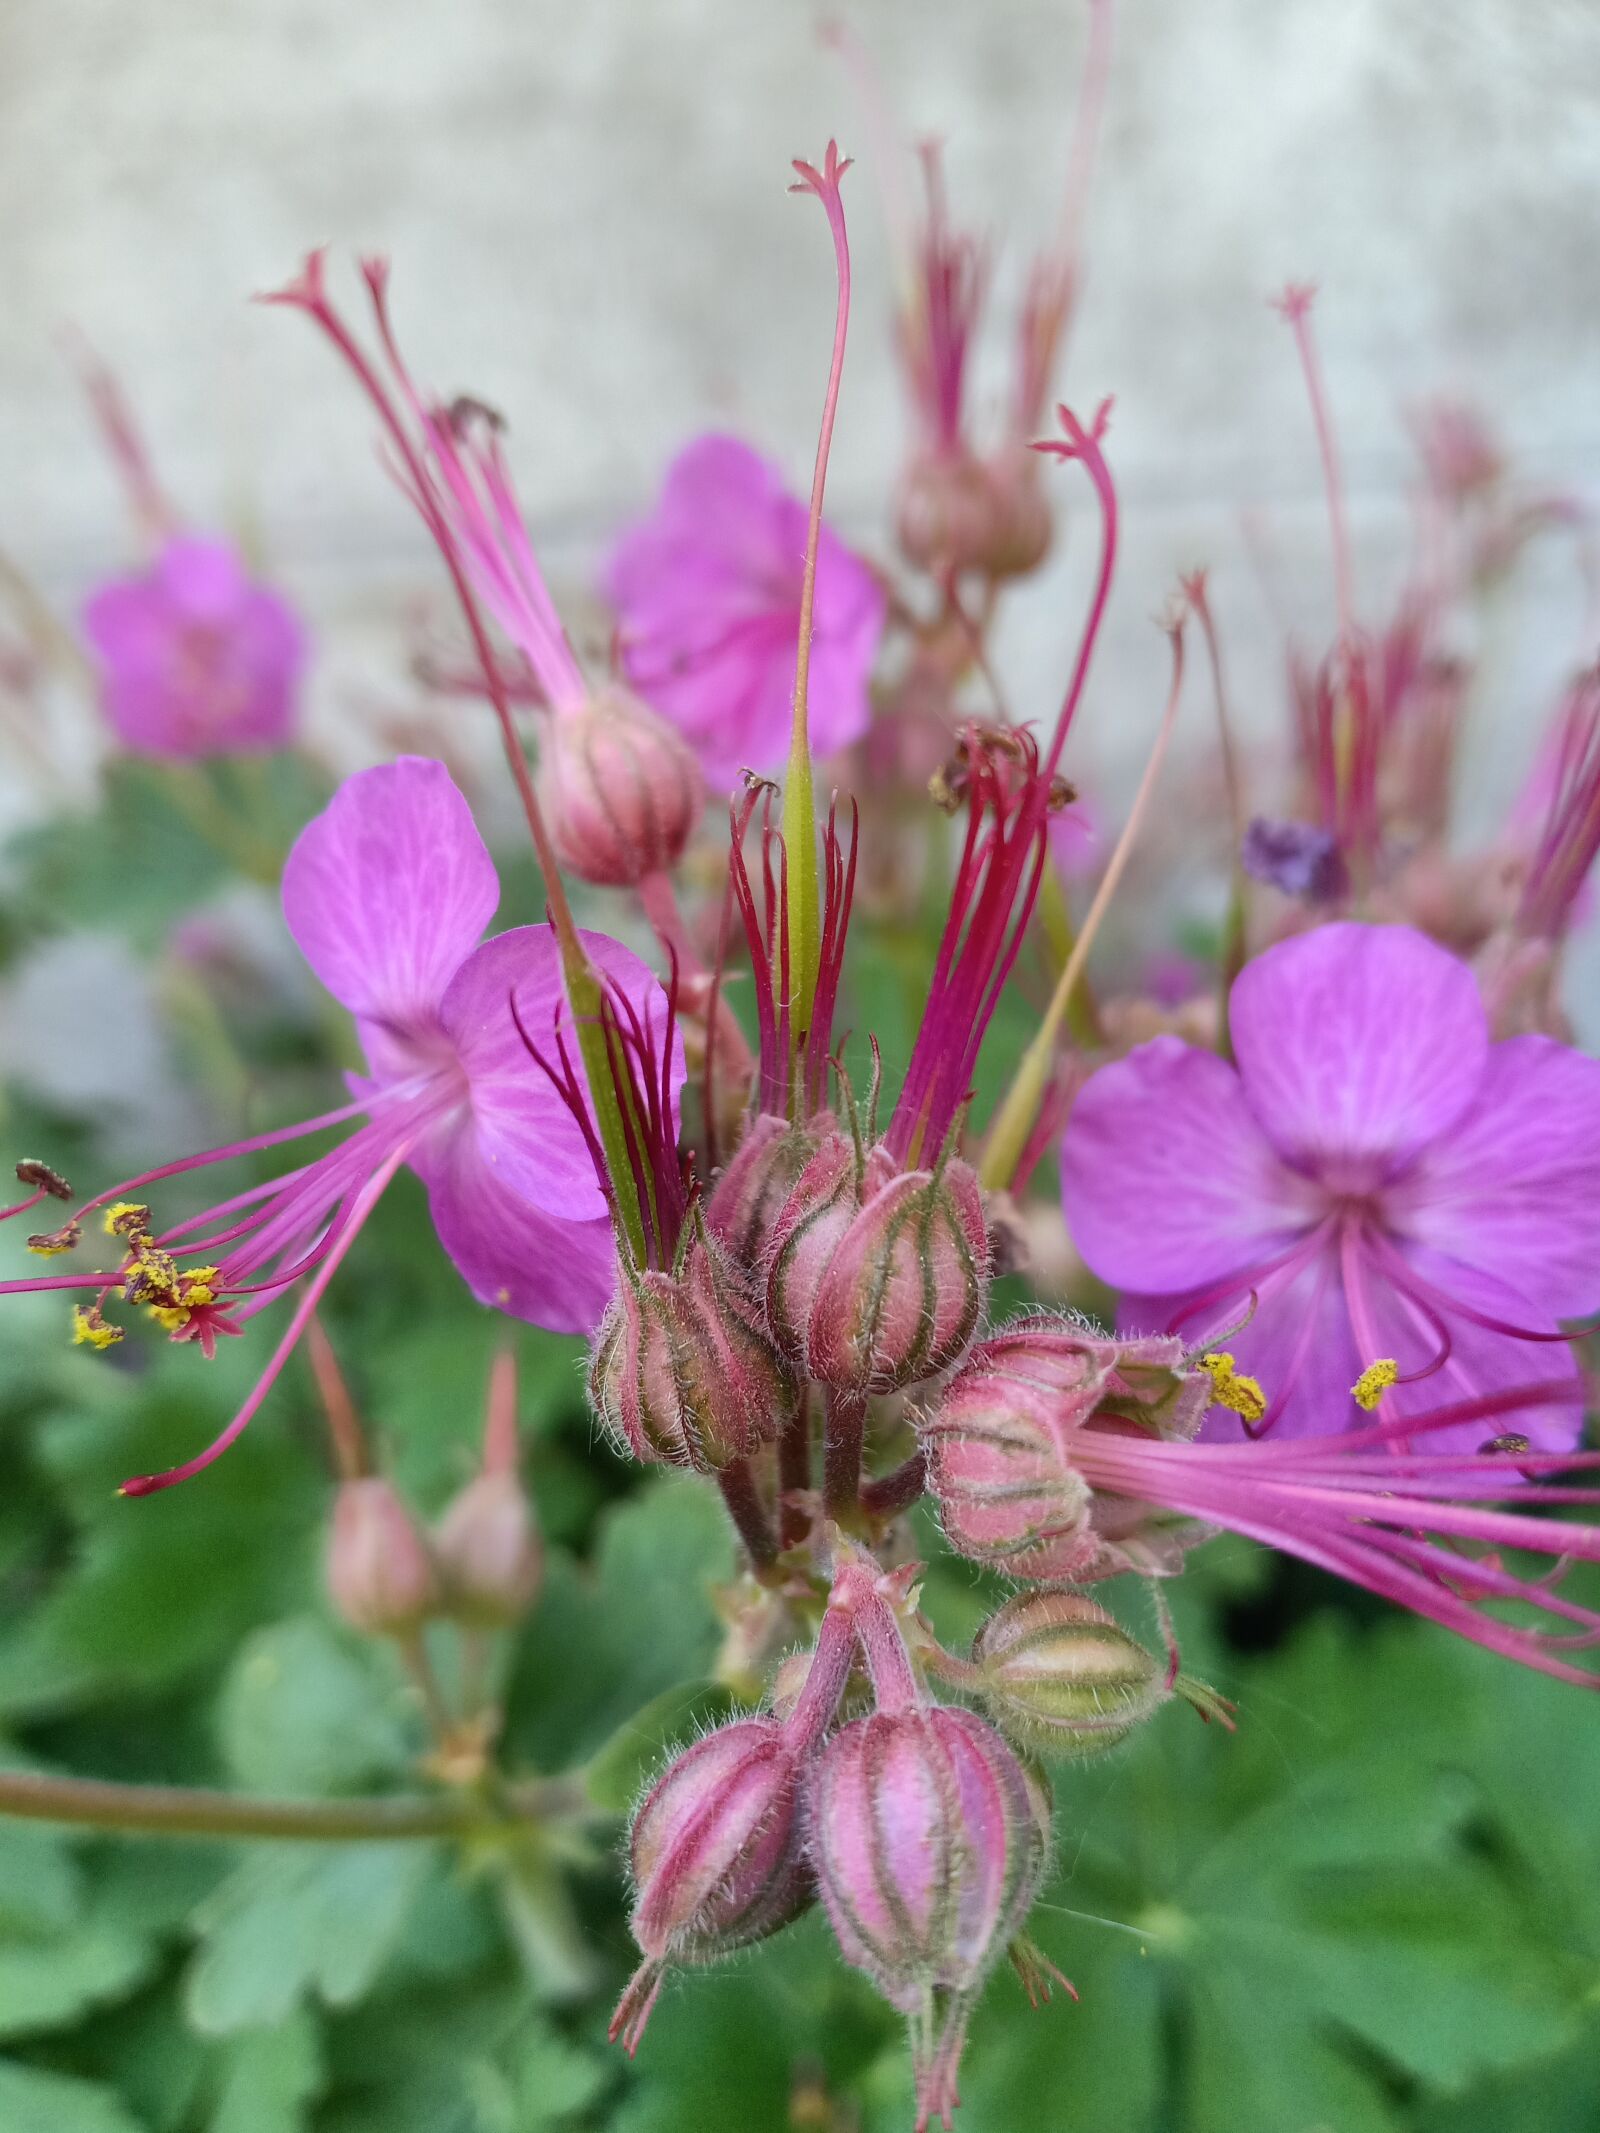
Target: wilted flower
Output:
[
  {"x": 623, "y": 790},
  {"x": 707, "y": 597},
  {"x": 1375, "y": 1180}
]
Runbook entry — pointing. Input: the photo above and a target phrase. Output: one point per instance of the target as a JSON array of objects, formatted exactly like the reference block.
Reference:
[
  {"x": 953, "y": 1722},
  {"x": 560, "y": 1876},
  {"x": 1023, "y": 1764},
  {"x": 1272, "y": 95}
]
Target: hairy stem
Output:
[
  {"x": 841, "y": 1456},
  {"x": 794, "y": 1472},
  {"x": 897, "y": 1490},
  {"x": 737, "y": 1482}
]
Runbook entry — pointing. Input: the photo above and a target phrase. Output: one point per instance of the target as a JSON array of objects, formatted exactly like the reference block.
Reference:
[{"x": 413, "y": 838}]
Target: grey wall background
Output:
[{"x": 585, "y": 206}]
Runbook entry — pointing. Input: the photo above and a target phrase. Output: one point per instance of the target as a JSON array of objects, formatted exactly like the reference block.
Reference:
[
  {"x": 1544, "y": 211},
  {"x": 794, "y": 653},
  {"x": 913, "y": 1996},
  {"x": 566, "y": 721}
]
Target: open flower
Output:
[
  {"x": 1382, "y": 1181},
  {"x": 196, "y": 659},
  {"x": 707, "y": 596},
  {"x": 387, "y": 892}
]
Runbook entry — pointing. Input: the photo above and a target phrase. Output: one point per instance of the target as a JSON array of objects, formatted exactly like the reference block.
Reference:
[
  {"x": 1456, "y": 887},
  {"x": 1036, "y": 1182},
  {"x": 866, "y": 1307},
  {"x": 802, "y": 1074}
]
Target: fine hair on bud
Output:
[
  {"x": 717, "y": 1856},
  {"x": 1062, "y": 1676},
  {"x": 683, "y": 1372},
  {"x": 878, "y": 1276}
]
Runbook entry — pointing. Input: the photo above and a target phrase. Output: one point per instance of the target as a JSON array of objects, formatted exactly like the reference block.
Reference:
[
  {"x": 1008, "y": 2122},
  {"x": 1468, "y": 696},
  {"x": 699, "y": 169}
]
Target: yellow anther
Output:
[
  {"x": 90, "y": 1330},
  {"x": 128, "y": 1218},
  {"x": 199, "y": 1285},
  {"x": 1241, "y": 1395},
  {"x": 49, "y": 1242},
  {"x": 1374, "y": 1382},
  {"x": 173, "y": 1317}
]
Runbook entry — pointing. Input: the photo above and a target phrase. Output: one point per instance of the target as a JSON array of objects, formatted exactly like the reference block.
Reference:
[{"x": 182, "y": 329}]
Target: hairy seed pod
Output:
[
  {"x": 683, "y": 1372},
  {"x": 1063, "y": 1676},
  {"x": 717, "y": 1855}
]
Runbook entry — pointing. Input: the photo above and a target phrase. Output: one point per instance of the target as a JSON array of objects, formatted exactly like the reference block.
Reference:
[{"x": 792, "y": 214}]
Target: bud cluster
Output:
[{"x": 923, "y": 1833}]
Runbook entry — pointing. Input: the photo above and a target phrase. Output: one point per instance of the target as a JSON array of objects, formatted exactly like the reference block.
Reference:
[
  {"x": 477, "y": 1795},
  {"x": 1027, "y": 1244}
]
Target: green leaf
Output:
[
  {"x": 47, "y": 1984},
  {"x": 639, "y": 1747},
  {"x": 271, "y": 2076},
  {"x": 1256, "y": 2068},
  {"x": 39, "y": 1886},
  {"x": 307, "y": 1710},
  {"x": 32, "y": 2101},
  {"x": 552, "y": 2079},
  {"x": 297, "y": 1920},
  {"x": 725, "y": 2046},
  {"x": 601, "y": 1646}
]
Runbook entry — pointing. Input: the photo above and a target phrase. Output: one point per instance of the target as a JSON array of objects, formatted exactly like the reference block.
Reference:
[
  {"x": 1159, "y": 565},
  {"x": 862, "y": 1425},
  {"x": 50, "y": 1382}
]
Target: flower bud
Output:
[
  {"x": 945, "y": 519},
  {"x": 928, "y": 1847},
  {"x": 621, "y": 788},
  {"x": 1019, "y": 529},
  {"x": 904, "y": 1289},
  {"x": 877, "y": 1278},
  {"x": 999, "y": 1442},
  {"x": 1063, "y": 1676},
  {"x": 487, "y": 1549},
  {"x": 683, "y": 1372},
  {"x": 380, "y": 1575},
  {"x": 717, "y": 1855},
  {"x": 755, "y": 1185}
]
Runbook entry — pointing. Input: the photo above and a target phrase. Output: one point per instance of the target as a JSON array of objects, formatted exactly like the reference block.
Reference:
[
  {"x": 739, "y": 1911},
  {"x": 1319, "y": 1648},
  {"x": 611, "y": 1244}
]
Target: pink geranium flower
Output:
[
  {"x": 196, "y": 659},
  {"x": 707, "y": 597},
  {"x": 387, "y": 893},
  {"x": 1375, "y": 1176}
]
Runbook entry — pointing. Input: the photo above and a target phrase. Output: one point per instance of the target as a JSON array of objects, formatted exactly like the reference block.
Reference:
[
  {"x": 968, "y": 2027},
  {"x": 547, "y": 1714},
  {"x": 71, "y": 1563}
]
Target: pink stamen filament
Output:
[
  {"x": 1224, "y": 1485},
  {"x": 1295, "y": 305},
  {"x": 366, "y": 1200}
]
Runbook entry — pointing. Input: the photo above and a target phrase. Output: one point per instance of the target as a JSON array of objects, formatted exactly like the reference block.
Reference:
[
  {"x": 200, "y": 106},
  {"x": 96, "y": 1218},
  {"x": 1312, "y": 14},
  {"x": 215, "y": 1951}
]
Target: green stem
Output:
[{"x": 190, "y": 1811}]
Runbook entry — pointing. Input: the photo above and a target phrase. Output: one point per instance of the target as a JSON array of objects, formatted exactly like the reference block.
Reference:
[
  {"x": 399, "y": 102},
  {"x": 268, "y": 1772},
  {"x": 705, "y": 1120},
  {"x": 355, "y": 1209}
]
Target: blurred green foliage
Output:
[{"x": 1375, "y": 1909}]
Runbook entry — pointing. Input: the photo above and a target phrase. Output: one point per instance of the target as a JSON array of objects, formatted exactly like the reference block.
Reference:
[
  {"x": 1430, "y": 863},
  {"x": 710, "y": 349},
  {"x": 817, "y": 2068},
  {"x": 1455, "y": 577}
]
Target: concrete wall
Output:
[{"x": 585, "y": 206}]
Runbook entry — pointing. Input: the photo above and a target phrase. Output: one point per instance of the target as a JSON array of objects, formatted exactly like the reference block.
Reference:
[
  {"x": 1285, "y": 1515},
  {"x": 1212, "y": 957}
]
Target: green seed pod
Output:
[{"x": 1063, "y": 1676}]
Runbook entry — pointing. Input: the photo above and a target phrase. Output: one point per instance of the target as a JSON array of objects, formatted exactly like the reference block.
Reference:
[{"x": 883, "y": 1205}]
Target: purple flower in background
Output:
[
  {"x": 1385, "y": 1182},
  {"x": 387, "y": 893},
  {"x": 1296, "y": 857},
  {"x": 195, "y": 658},
  {"x": 707, "y": 596}
]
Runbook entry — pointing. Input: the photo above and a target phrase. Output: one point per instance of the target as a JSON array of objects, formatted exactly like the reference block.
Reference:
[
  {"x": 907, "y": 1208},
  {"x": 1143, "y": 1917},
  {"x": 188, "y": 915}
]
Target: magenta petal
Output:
[
  {"x": 707, "y": 595},
  {"x": 1357, "y": 1046},
  {"x": 388, "y": 890},
  {"x": 525, "y": 1133},
  {"x": 1388, "y": 1323},
  {"x": 195, "y": 659},
  {"x": 1515, "y": 1188},
  {"x": 1298, "y": 1346},
  {"x": 1167, "y": 1180},
  {"x": 513, "y": 1256}
]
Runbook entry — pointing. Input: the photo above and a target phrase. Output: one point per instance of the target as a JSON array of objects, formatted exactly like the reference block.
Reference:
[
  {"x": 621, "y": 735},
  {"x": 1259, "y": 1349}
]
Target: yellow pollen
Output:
[
  {"x": 1374, "y": 1382},
  {"x": 90, "y": 1330},
  {"x": 1242, "y": 1395},
  {"x": 174, "y": 1317},
  {"x": 128, "y": 1218}
]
